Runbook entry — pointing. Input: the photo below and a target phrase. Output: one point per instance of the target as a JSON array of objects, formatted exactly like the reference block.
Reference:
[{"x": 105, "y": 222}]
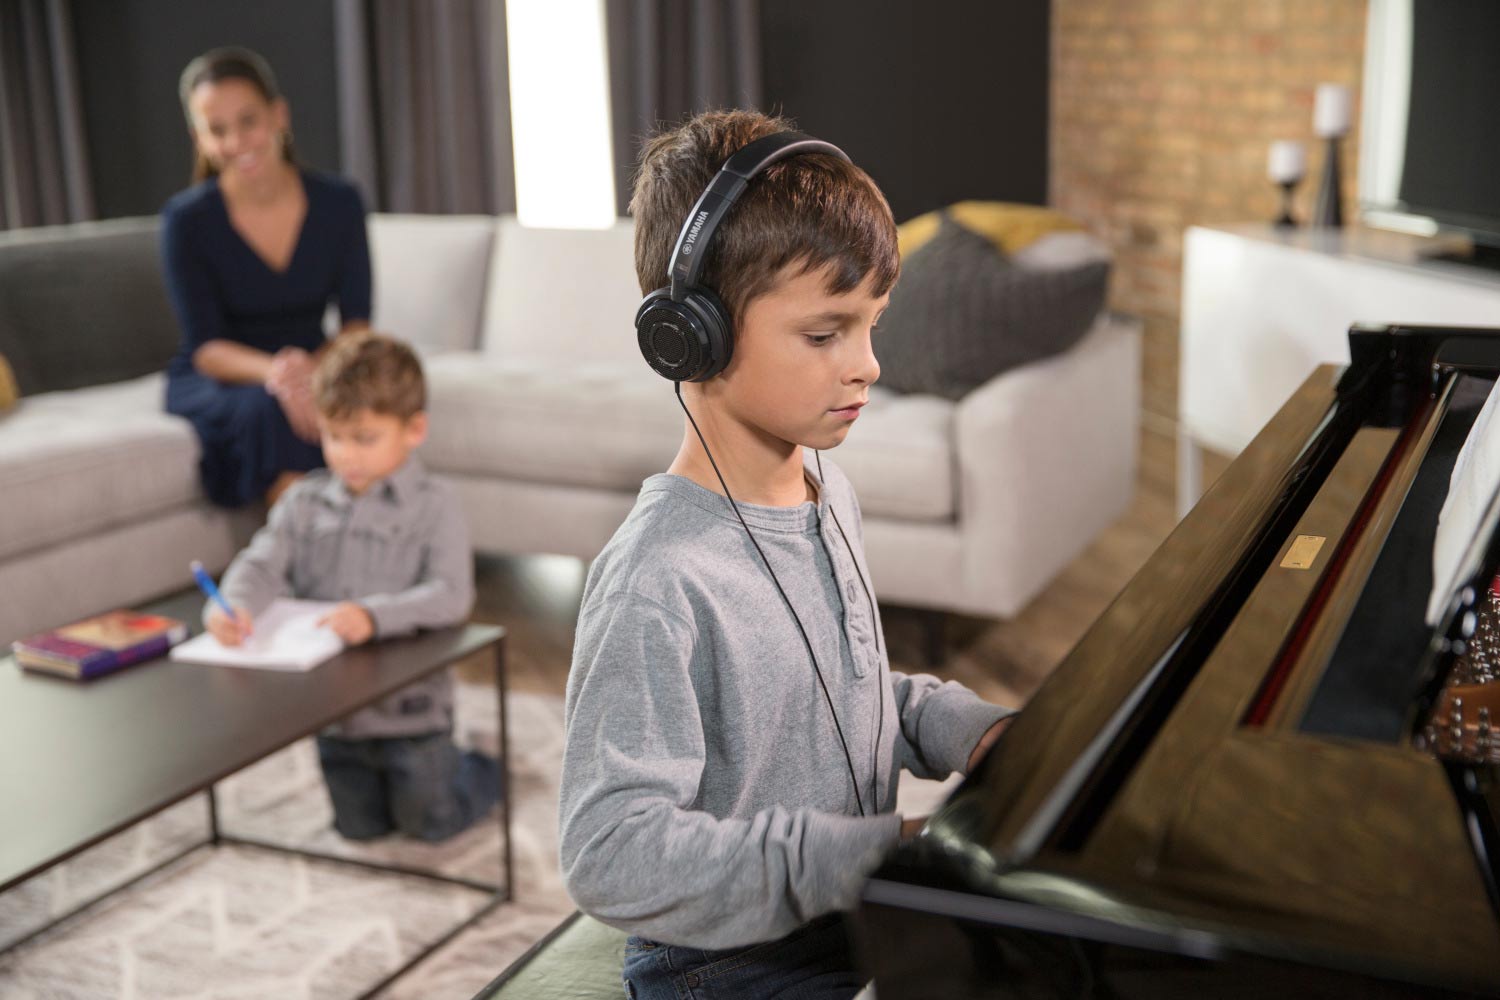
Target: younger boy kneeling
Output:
[{"x": 376, "y": 533}]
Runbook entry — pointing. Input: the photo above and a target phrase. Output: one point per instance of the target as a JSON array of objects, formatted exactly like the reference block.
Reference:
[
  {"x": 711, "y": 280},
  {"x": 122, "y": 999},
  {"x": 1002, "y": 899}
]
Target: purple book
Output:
[{"x": 99, "y": 645}]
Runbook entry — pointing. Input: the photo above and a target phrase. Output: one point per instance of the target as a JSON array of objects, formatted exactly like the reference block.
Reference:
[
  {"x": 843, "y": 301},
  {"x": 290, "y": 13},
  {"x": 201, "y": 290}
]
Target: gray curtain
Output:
[
  {"x": 669, "y": 59},
  {"x": 424, "y": 104},
  {"x": 44, "y": 174}
]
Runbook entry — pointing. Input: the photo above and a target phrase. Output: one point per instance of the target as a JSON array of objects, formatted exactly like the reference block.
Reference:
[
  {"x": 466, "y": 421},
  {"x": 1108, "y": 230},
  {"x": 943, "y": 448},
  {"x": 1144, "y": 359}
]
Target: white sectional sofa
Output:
[{"x": 547, "y": 420}]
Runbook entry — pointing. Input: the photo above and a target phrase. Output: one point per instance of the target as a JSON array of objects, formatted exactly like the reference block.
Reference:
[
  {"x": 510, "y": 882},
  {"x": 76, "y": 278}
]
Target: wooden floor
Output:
[{"x": 537, "y": 597}]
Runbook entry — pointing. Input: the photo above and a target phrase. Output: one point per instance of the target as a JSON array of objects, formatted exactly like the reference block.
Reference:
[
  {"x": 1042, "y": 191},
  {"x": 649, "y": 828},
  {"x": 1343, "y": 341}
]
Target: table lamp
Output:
[
  {"x": 1286, "y": 166},
  {"x": 1332, "y": 113}
]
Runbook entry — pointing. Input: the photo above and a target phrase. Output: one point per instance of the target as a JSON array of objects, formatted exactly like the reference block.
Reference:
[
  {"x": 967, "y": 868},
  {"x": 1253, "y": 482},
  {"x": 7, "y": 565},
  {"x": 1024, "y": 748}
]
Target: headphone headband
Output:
[
  {"x": 684, "y": 331},
  {"x": 721, "y": 194}
]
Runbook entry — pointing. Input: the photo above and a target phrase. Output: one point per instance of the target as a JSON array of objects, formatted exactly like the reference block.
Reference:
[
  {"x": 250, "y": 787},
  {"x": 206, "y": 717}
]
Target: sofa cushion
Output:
[
  {"x": 79, "y": 461},
  {"x": 611, "y": 425},
  {"x": 899, "y": 457},
  {"x": 561, "y": 296},
  {"x": 986, "y": 287},
  {"x": 429, "y": 273},
  {"x": 597, "y": 425}
]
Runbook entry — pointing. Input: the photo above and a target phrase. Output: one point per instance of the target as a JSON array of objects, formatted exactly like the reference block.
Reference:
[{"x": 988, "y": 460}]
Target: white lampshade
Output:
[
  {"x": 1287, "y": 162},
  {"x": 1333, "y": 110}
]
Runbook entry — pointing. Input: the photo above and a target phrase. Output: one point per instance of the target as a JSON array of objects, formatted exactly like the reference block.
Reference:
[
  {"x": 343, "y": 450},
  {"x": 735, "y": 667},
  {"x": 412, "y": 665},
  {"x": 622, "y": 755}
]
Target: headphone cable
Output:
[{"x": 849, "y": 760}]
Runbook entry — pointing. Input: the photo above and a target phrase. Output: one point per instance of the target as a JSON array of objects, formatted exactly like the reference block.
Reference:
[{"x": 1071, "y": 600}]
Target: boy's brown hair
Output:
[
  {"x": 811, "y": 210},
  {"x": 369, "y": 371}
]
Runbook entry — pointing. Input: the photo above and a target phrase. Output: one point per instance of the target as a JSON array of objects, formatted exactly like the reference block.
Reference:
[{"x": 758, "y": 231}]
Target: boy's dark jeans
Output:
[
  {"x": 811, "y": 963},
  {"x": 422, "y": 786}
]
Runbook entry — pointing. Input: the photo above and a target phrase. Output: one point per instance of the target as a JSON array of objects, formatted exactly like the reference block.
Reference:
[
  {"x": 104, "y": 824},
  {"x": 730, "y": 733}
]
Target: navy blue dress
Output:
[{"x": 222, "y": 290}]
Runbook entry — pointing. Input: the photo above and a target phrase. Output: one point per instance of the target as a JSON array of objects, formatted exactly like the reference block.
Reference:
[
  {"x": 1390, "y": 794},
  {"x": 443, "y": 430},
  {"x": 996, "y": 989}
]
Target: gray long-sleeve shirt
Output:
[
  {"x": 400, "y": 550},
  {"x": 706, "y": 800}
]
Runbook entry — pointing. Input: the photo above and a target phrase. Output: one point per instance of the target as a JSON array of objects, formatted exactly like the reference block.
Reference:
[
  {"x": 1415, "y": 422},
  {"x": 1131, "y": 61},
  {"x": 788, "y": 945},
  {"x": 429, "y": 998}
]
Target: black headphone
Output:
[
  {"x": 683, "y": 329},
  {"x": 685, "y": 335}
]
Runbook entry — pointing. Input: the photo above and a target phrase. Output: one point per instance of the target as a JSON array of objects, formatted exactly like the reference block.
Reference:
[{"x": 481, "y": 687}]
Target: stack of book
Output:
[{"x": 99, "y": 645}]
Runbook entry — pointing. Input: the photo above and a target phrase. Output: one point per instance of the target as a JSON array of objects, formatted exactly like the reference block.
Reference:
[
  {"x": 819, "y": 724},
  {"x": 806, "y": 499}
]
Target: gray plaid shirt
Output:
[{"x": 400, "y": 550}]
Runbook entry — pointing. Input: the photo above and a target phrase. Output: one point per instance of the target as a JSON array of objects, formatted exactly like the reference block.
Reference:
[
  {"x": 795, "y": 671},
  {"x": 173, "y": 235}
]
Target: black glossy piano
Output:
[{"x": 1270, "y": 768}]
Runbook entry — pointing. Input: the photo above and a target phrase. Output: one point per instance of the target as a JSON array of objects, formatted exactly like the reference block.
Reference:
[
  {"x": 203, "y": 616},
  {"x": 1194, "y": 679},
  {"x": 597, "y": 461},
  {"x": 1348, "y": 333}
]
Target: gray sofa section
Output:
[
  {"x": 543, "y": 417},
  {"x": 99, "y": 498}
]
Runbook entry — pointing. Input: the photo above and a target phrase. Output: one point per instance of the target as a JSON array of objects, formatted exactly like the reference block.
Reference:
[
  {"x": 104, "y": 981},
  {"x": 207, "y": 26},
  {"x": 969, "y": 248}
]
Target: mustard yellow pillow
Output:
[
  {"x": 1009, "y": 226},
  {"x": 9, "y": 391}
]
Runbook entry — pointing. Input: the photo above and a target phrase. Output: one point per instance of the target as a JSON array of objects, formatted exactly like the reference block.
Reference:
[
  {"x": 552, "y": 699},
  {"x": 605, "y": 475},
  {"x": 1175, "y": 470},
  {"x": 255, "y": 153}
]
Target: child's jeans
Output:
[
  {"x": 422, "y": 786},
  {"x": 811, "y": 963}
]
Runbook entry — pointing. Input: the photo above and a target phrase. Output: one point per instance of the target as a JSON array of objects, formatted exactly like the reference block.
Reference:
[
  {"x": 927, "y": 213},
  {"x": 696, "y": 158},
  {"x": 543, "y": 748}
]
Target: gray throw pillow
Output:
[
  {"x": 963, "y": 312},
  {"x": 84, "y": 304}
]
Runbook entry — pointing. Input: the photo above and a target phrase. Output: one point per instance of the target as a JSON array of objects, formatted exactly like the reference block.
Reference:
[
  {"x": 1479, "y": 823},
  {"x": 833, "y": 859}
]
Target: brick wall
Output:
[{"x": 1162, "y": 115}]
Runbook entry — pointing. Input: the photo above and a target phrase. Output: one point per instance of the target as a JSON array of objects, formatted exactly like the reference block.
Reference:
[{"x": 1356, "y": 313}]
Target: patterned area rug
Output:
[
  {"x": 242, "y": 923},
  {"x": 236, "y": 923}
]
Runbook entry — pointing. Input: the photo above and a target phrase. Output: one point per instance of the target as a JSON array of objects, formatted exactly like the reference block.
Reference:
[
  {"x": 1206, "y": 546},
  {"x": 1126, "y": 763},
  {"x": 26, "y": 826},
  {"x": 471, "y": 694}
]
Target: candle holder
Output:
[
  {"x": 1332, "y": 115},
  {"x": 1286, "y": 220},
  {"x": 1328, "y": 210},
  {"x": 1286, "y": 166}
]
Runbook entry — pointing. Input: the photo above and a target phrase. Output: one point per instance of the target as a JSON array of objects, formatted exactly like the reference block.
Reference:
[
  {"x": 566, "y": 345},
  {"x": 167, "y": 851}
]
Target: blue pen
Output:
[{"x": 206, "y": 584}]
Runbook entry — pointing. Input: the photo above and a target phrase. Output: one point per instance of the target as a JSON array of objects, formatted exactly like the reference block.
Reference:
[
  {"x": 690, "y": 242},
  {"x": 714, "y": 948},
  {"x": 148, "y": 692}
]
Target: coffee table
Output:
[{"x": 80, "y": 762}]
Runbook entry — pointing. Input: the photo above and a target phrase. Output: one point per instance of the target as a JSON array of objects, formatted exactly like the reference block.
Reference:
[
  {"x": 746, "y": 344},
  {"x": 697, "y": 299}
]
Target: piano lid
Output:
[{"x": 1194, "y": 775}]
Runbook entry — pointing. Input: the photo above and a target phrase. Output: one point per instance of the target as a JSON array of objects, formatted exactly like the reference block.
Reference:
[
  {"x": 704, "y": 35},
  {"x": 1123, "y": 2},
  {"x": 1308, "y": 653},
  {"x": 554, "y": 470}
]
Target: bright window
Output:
[{"x": 559, "y": 109}]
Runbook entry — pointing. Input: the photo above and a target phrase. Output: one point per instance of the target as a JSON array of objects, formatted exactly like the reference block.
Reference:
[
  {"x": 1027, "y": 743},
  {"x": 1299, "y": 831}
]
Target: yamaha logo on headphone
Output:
[
  {"x": 692, "y": 235},
  {"x": 683, "y": 329}
]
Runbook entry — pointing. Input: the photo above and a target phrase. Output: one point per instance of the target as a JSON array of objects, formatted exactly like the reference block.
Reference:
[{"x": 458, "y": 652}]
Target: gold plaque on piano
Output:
[{"x": 1303, "y": 552}]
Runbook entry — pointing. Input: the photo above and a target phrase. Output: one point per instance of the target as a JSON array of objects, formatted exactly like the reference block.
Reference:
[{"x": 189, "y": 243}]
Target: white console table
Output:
[{"x": 1262, "y": 307}]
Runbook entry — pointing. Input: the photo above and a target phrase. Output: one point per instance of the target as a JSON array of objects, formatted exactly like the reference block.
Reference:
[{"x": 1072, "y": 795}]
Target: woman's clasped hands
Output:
[{"x": 289, "y": 380}]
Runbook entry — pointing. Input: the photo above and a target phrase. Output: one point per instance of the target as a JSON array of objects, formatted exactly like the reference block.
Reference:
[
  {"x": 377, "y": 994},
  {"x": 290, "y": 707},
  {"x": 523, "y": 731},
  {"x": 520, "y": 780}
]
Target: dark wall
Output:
[
  {"x": 939, "y": 101},
  {"x": 130, "y": 54}
]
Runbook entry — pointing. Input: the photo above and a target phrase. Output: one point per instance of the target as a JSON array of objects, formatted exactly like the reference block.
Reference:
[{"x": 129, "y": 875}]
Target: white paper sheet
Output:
[
  {"x": 1476, "y": 476},
  {"x": 286, "y": 636}
]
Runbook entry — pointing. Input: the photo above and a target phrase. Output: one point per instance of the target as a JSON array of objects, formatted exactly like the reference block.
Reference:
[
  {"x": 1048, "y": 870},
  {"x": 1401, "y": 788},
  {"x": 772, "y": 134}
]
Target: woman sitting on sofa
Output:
[{"x": 253, "y": 254}]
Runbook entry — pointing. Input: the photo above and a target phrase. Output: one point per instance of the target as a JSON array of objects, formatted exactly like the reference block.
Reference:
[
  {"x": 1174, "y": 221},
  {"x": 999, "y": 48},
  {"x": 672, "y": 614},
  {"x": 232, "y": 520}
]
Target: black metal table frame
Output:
[{"x": 502, "y": 893}]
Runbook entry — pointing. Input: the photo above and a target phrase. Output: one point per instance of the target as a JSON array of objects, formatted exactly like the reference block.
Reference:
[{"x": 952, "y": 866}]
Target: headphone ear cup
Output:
[
  {"x": 685, "y": 341},
  {"x": 671, "y": 337},
  {"x": 717, "y": 327}
]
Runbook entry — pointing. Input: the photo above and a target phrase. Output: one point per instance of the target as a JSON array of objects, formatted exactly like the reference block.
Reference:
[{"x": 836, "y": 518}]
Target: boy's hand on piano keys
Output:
[{"x": 985, "y": 742}]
